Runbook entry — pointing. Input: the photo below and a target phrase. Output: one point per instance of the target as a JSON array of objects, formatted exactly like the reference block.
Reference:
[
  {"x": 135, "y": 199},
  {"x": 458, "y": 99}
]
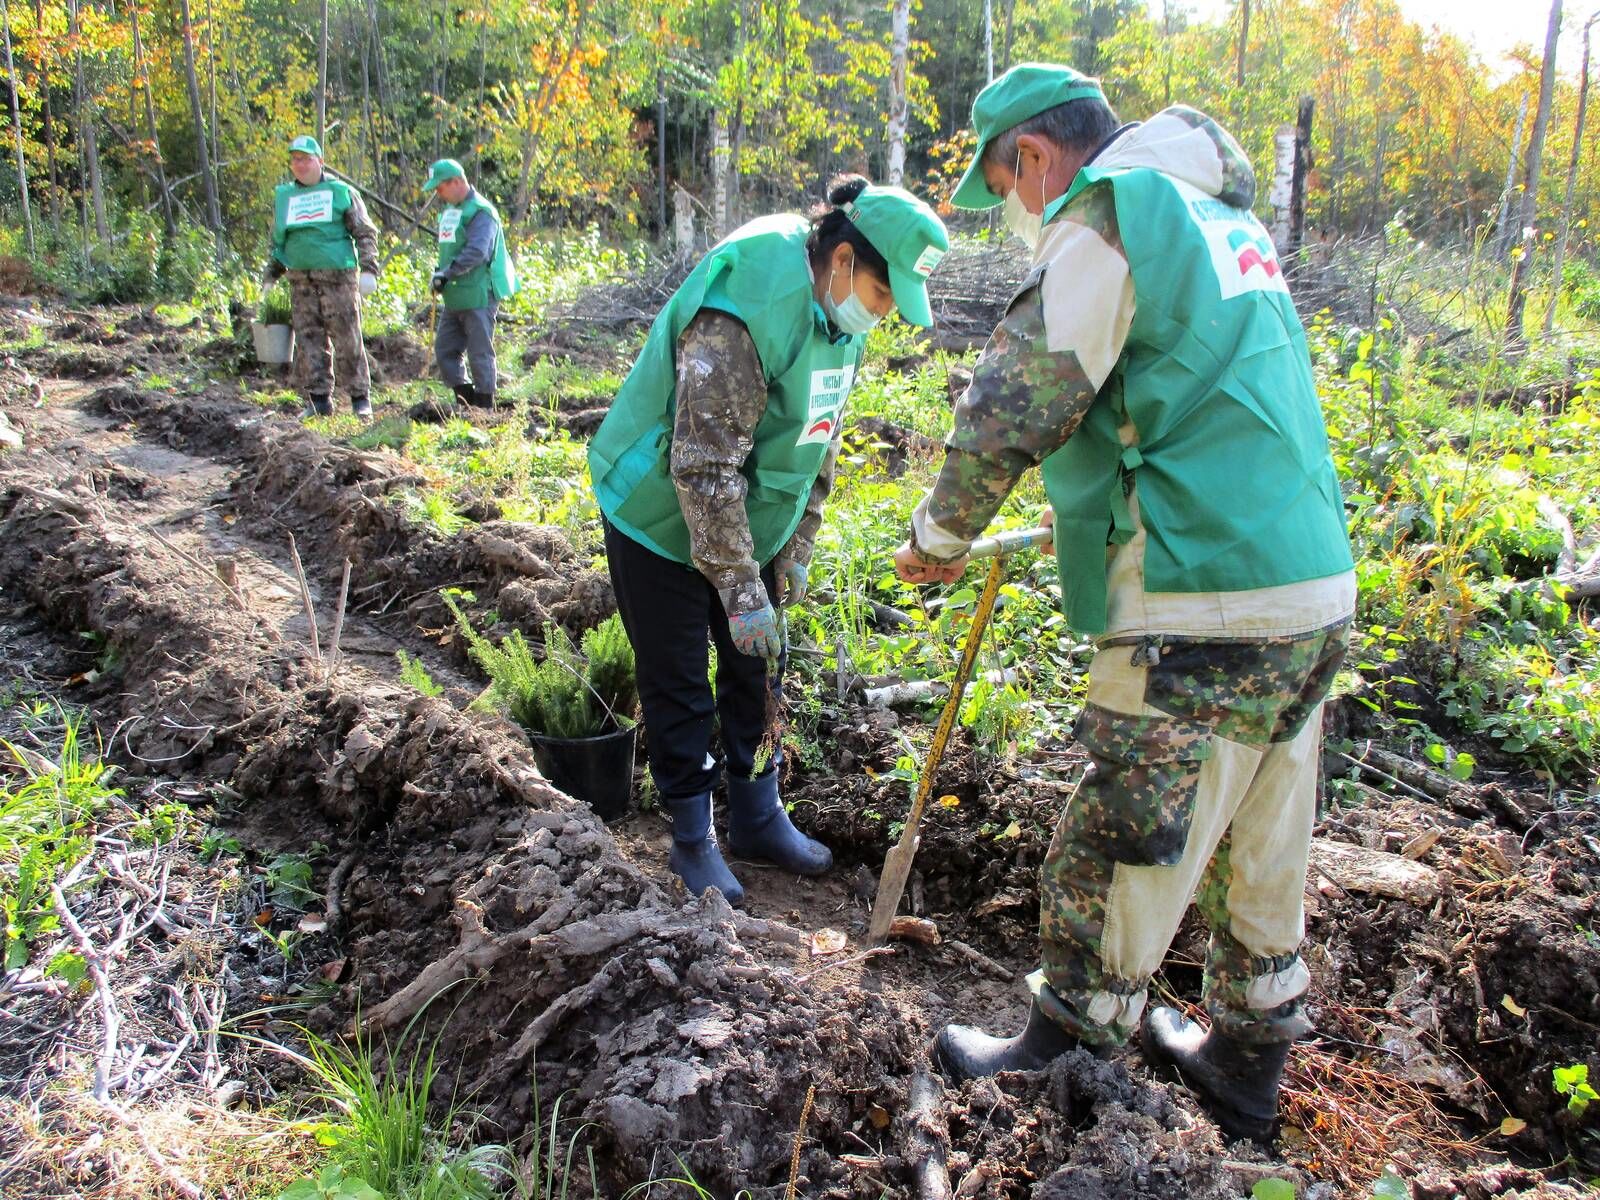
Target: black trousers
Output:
[{"x": 672, "y": 613}]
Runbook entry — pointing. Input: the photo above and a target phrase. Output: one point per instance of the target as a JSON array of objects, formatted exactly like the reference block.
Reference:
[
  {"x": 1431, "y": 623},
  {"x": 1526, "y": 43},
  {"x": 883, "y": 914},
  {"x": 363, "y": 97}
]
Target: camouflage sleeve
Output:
[
  {"x": 363, "y": 231},
  {"x": 803, "y": 542},
  {"x": 721, "y": 395},
  {"x": 1036, "y": 379}
]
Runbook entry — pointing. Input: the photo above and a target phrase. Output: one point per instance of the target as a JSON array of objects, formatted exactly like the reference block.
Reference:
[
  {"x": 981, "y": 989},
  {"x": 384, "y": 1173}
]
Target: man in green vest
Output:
[
  {"x": 324, "y": 240},
  {"x": 474, "y": 273},
  {"x": 1152, "y": 365}
]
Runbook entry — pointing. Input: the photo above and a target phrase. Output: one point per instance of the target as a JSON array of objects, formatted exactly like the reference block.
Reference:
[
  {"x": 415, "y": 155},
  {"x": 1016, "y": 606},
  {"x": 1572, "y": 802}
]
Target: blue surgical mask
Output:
[{"x": 850, "y": 315}]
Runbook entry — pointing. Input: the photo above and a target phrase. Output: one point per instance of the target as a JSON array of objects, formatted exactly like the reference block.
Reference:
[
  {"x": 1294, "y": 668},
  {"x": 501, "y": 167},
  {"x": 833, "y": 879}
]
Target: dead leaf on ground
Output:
[{"x": 828, "y": 941}]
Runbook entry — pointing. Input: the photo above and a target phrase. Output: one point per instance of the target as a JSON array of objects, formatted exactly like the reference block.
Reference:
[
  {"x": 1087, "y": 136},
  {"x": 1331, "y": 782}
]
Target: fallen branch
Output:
[
  {"x": 305, "y": 598},
  {"x": 929, "y": 1138},
  {"x": 109, "y": 1017},
  {"x": 338, "y": 622},
  {"x": 981, "y": 960}
]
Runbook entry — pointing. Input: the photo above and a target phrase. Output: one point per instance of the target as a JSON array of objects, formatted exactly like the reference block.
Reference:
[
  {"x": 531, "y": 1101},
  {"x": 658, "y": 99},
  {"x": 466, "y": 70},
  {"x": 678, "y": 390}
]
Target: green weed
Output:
[
  {"x": 44, "y": 820},
  {"x": 414, "y": 674}
]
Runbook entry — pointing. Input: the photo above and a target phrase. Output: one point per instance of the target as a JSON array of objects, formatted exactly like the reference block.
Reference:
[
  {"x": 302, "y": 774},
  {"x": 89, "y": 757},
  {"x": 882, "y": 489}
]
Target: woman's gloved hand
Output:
[{"x": 793, "y": 579}]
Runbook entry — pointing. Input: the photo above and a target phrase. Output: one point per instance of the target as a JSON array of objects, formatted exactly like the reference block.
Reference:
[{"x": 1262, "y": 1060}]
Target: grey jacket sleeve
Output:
[{"x": 478, "y": 247}]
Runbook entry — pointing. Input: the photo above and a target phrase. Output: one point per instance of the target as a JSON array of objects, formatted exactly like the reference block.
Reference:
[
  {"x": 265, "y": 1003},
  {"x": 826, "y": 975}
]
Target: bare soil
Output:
[{"x": 543, "y": 948}]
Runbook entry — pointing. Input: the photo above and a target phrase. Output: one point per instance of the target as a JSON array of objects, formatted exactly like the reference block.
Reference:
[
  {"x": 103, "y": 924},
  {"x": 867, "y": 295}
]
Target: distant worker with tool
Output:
[
  {"x": 711, "y": 470},
  {"x": 324, "y": 240},
  {"x": 1152, "y": 365},
  {"x": 474, "y": 274}
]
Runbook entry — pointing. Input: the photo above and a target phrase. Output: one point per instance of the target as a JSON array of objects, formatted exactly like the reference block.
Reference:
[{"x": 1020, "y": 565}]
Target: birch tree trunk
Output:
[
  {"x": 16, "y": 128},
  {"x": 41, "y": 79},
  {"x": 1530, "y": 185},
  {"x": 1572, "y": 180},
  {"x": 84, "y": 116},
  {"x": 1244, "y": 40},
  {"x": 322, "y": 79},
  {"x": 202, "y": 148},
  {"x": 719, "y": 172},
  {"x": 1502, "y": 243},
  {"x": 169, "y": 216},
  {"x": 899, "y": 47}
]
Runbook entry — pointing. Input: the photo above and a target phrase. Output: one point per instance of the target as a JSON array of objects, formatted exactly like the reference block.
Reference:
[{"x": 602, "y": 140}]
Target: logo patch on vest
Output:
[
  {"x": 828, "y": 390},
  {"x": 1241, "y": 252},
  {"x": 309, "y": 208},
  {"x": 449, "y": 222}
]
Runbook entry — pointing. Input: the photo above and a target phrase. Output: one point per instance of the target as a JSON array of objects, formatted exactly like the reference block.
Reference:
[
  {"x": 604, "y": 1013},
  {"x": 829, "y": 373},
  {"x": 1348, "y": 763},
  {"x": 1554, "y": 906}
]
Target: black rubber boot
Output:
[
  {"x": 483, "y": 399},
  {"x": 695, "y": 858},
  {"x": 361, "y": 406},
  {"x": 1237, "y": 1082},
  {"x": 758, "y": 827},
  {"x": 962, "y": 1052},
  {"x": 319, "y": 405},
  {"x": 464, "y": 393}
]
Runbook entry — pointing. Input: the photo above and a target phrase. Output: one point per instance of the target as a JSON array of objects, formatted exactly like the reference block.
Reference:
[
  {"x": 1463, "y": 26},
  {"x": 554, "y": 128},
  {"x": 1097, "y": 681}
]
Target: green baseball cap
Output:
[
  {"x": 306, "y": 144},
  {"x": 1023, "y": 92},
  {"x": 911, "y": 239},
  {"x": 445, "y": 168}
]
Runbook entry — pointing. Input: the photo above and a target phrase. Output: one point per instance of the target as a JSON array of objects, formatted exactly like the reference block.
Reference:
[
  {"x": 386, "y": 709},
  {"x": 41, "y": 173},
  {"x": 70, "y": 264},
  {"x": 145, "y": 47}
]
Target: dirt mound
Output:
[{"x": 397, "y": 357}]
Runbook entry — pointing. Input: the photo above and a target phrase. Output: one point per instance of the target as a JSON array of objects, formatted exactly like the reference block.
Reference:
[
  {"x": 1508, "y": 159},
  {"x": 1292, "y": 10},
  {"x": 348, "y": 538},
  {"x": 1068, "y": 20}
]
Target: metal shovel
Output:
[{"x": 897, "y": 863}]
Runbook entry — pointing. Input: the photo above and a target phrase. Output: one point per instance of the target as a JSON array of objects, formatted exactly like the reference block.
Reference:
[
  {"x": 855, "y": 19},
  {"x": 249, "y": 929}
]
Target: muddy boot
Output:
[
  {"x": 464, "y": 393},
  {"x": 483, "y": 399},
  {"x": 695, "y": 858},
  {"x": 318, "y": 404},
  {"x": 361, "y": 406},
  {"x": 1237, "y": 1082},
  {"x": 758, "y": 827},
  {"x": 962, "y": 1052}
]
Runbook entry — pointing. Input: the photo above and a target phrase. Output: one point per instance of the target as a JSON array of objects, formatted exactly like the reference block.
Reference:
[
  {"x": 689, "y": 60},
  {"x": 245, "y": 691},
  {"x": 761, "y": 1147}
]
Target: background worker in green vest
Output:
[
  {"x": 712, "y": 468},
  {"x": 474, "y": 274},
  {"x": 321, "y": 235},
  {"x": 1153, "y": 366}
]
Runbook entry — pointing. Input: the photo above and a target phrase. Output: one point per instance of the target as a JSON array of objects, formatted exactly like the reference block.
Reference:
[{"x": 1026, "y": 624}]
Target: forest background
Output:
[{"x": 151, "y": 134}]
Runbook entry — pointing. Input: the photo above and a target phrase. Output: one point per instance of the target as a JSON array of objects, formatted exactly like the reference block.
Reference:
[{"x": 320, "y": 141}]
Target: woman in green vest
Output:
[{"x": 711, "y": 470}]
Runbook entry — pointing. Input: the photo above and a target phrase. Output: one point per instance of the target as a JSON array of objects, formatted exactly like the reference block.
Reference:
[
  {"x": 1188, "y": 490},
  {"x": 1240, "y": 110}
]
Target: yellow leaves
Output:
[
  {"x": 1512, "y": 1007},
  {"x": 949, "y": 801},
  {"x": 1512, "y": 1126}
]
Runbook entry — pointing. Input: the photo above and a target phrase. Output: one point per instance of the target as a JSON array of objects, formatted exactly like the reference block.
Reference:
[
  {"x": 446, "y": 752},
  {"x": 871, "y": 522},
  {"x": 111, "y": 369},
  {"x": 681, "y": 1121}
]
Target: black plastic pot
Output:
[{"x": 596, "y": 770}]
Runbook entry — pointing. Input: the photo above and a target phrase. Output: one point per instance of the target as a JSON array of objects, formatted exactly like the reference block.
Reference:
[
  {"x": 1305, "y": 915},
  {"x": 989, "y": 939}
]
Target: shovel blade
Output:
[{"x": 891, "y": 887}]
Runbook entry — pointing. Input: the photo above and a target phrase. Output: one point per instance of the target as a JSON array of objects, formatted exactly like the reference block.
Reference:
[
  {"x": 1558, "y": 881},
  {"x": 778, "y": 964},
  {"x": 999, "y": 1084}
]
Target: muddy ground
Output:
[{"x": 543, "y": 948}]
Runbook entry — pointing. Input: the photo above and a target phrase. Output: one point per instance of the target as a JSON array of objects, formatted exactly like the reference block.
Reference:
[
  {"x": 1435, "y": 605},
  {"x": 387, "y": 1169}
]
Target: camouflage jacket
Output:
[
  {"x": 1063, "y": 333},
  {"x": 721, "y": 396}
]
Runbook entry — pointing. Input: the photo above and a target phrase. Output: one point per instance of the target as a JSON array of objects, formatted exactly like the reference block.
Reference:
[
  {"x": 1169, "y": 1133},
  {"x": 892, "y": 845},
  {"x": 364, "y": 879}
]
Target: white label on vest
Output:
[
  {"x": 828, "y": 390},
  {"x": 449, "y": 222},
  {"x": 309, "y": 208},
  {"x": 1242, "y": 253}
]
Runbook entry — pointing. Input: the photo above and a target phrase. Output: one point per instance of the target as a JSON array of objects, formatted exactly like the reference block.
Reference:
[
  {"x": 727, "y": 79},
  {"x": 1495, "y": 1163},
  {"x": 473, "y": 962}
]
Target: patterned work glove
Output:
[
  {"x": 757, "y": 633},
  {"x": 754, "y": 626},
  {"x": 367, "y": 283},
  {"x": 792, "y": 580},
  {"x": 438, "y": 281}
]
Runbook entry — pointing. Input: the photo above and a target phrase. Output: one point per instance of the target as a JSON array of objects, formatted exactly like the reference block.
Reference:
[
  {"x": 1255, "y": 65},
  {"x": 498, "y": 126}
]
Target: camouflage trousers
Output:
[
  {"x": 1202, "y": 785},
  {"x": 325, "y": 310}
]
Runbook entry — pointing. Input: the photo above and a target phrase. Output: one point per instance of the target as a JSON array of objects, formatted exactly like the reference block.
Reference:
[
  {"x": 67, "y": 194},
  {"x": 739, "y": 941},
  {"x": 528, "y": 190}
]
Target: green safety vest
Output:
[
  {"x": 495, "y": 279},
  {"x": 308, "y": 232},
  {"x": 760, "y": 275},
  {"x": 1237, "y": 489}
]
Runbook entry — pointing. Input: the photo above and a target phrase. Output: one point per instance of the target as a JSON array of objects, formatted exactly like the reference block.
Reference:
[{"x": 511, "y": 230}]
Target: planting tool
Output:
[{"x": 897, "y": 863}]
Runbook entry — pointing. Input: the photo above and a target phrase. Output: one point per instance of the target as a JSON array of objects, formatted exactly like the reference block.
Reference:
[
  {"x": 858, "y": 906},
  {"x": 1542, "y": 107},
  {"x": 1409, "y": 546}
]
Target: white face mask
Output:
[
  {"x": 1022, "y": 223},
  {"x": 849, "y": 315}
]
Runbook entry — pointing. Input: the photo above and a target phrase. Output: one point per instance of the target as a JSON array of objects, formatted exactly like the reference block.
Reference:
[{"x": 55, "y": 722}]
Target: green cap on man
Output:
[
  {"x": 1021, "y": 94},
  {"x": 911, "y": 239},
  {"x": 445, "y": 168},
  {"x": 306, "y": 144}
]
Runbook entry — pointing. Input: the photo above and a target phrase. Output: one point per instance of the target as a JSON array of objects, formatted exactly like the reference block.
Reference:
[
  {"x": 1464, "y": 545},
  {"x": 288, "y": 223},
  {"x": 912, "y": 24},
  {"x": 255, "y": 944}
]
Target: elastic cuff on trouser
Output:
[
  {"x": 1103, "y": 1017},
  {"x": 1263, "y": 1002}
]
